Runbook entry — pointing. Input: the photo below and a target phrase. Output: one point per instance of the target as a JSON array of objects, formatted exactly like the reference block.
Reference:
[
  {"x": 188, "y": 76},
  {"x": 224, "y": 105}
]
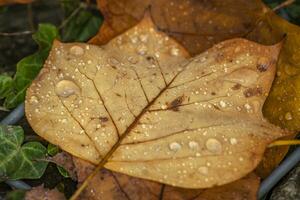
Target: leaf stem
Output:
[
  {"x": 284, "y": 142},
  {"x": 283, "y": 4}
]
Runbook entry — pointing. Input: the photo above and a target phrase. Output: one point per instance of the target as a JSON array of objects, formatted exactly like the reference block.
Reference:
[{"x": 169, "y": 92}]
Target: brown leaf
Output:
[
  {"x": 114, "y": 186},
  {"x": 41, "y": 193},
  {"x": 139, "y": 107},
  {"x": 5, "y": 2},
  {"x": 197, "y": 25}
]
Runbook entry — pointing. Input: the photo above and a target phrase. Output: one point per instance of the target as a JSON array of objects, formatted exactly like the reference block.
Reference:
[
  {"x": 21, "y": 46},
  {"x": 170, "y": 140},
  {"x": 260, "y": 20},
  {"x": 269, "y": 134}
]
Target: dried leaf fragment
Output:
[
  {"x": 142, "y": 108},
  {"x": 41, "y": 193},
  {"x": 113, "y": 185}
]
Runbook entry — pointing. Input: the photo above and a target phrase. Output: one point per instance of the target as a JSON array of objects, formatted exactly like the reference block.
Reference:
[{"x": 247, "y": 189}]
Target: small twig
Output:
[
  {"x": 16, "y": 33},
  {"x": 283, "y": 4},
  {"x": 284, "y": 143}
]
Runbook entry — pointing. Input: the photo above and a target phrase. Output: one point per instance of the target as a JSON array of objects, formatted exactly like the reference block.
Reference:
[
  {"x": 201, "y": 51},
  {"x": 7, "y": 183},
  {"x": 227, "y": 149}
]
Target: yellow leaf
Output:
[
  {"x": 138, "y": 106},
  {"x": 199, "y": 25}
]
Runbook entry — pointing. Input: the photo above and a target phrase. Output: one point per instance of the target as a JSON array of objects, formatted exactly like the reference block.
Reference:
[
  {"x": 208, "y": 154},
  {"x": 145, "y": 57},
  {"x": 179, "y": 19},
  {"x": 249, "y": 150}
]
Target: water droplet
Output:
[
  {"x": 134, "y": 39},
  {"x": 142, "y": 49},
  {"x": 193, "y": 145},
  {"x": 164, "y": 106},
  {"x": 77, "y": 50},
  {"x": 213, "y": 145},
  {"x": 174, "y": 51},
  {"x": 65, "y": 88},
  {"x": 174, "y": 146},
  {"x": 133, "y": 59},
  {"x": 288, "y": 116},
  {"x": 113, "y": 61},
  {"x": 222, "y": 104},
  {"x": 247, "y": 106},
  {"x": 203, "y": 170},
  {"x": 34, "y": 99},
  {"x": 233, "y": 141},
  {"x": 143, "y": 38}
]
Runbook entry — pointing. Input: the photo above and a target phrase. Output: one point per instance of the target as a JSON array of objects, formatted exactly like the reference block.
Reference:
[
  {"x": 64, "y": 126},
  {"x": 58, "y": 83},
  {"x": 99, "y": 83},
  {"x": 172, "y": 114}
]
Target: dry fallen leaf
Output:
[
  {"x": 5, "y": 2},
  {"x": 199, "y": 25},
  {"x": 196, "y": 25},
  {"x": 139, "y": 107},
  {"x": 113, "y": 185},
  {"x": 41, "y": 193}
]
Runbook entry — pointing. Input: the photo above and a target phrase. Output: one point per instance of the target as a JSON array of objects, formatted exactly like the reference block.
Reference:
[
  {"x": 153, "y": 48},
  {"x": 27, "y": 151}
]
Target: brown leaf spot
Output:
[
  {"x": 253, "y": 92},
  {"x": 176, "y": 103},
  {"x": 262, "y": 64},
  {"x": 103, "y": 119},
  {"x": 236, "y": 86}
]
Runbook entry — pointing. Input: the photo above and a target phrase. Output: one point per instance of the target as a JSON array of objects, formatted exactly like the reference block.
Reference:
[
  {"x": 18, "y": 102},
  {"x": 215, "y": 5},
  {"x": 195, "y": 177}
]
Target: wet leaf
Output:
[
  {"x": 140, "y": 107},
  {"x": 17, "y": 160},
  {"x": 199, "y": 25},
  {"x": 113, "y": 185},
  {"x": 196, "y": 25}
]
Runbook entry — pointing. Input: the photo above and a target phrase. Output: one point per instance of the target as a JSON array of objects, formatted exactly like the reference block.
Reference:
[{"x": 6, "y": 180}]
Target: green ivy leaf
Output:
[
  {"x": 63, "y": 171},
  {"x": 15, "y": 195},
  {"x": 19, "y": 161},
  {"x": 29, "y": 67},
  {"x": 6, "y": 84},
  {"x": 82, "y": 27},
  {"x": 52, "y": 149}
]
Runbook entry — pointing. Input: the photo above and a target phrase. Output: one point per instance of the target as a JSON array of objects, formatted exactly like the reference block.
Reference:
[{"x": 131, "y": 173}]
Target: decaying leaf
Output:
[
  {"x": 271, "y": 159},
  {"x": 139, "y": 107},
  {"x": 41, "y": 193},
  {"x": 113, "y": 185},
  {"x": 197, "y": 25}
]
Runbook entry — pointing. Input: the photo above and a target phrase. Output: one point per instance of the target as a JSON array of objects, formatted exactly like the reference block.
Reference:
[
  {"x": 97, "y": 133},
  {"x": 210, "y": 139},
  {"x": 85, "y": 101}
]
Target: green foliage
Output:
[
  {"x": 19, "y": 160},
  {"x": 52, "y": 149},
  {"x": 63, "y": 171},
  {"x": 6, "y": 84},
  {"x": 82, "y": 27},
  {"x": 29, "y": 67},
  {"x": 15, "y": 195}
]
